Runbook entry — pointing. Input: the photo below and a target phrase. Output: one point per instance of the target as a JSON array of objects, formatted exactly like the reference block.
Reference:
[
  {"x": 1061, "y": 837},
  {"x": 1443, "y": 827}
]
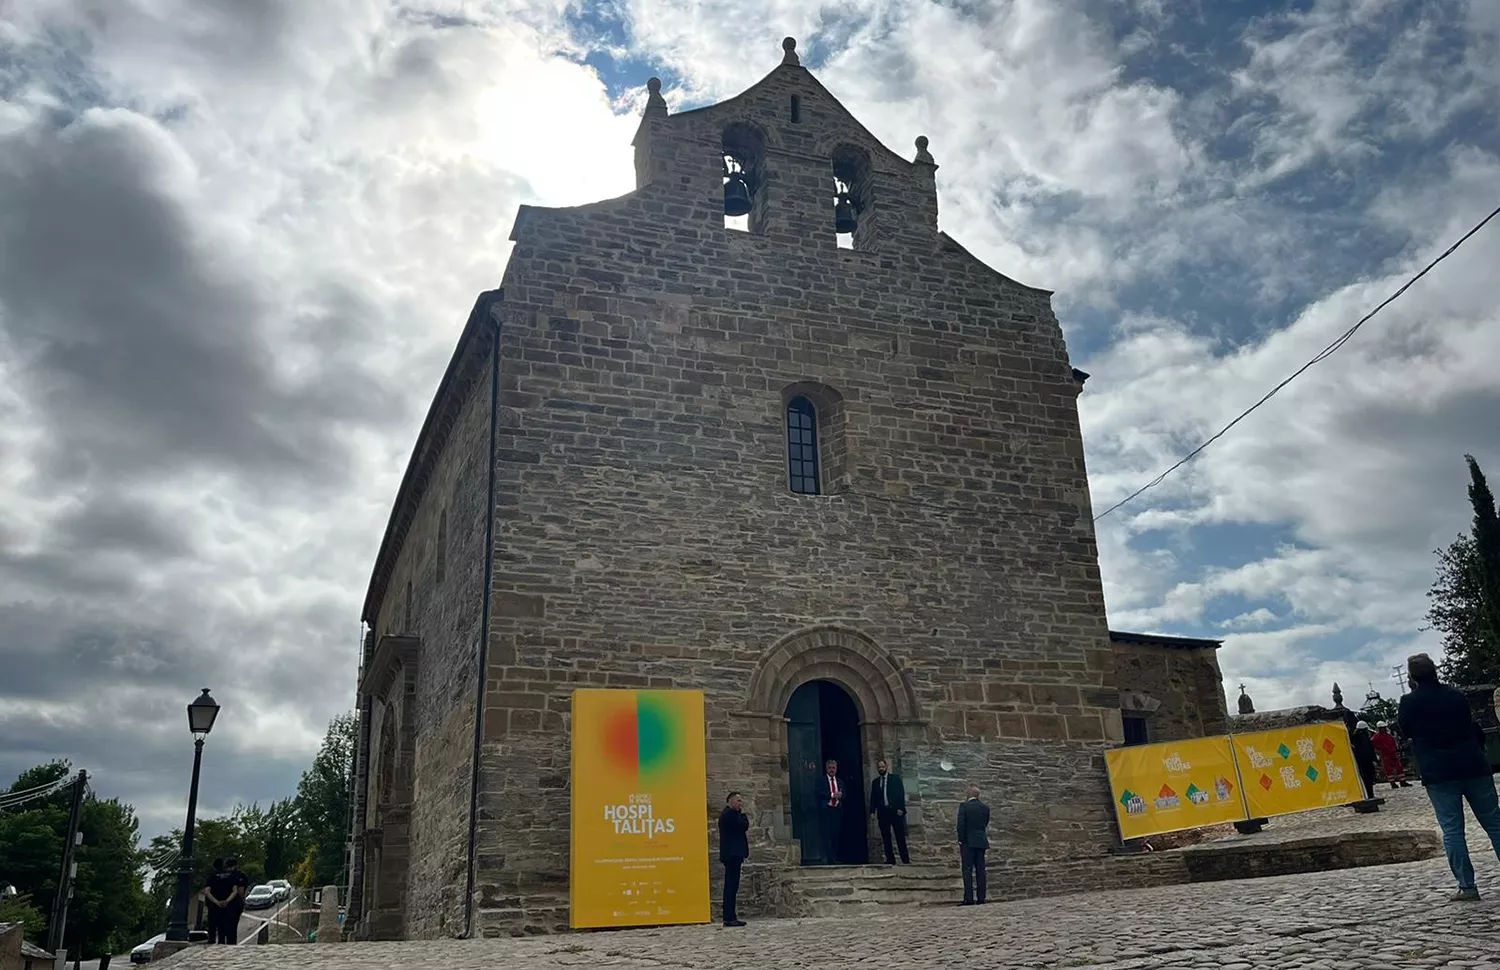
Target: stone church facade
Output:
[{"x": 839, "y": 489}]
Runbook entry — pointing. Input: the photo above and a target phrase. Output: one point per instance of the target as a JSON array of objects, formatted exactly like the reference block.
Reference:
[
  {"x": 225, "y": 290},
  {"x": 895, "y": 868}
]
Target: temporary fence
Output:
[{"x": 1188, "y": 784}]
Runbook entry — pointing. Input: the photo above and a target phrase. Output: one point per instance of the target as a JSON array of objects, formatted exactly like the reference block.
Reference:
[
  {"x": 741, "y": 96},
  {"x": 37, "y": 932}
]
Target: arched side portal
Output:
[{"x": 828, "y": 692}]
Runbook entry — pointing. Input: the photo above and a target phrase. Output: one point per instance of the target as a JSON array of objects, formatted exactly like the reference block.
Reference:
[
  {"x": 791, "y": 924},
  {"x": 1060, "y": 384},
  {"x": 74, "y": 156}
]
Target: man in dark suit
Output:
[
  {"x": 973, "y": 840},
  {"x": 830, "y": 811},
  {"x": 888, "y": 805},
  {"x": 1450, "y": 755},
  {"x": 734, "y": 849}
]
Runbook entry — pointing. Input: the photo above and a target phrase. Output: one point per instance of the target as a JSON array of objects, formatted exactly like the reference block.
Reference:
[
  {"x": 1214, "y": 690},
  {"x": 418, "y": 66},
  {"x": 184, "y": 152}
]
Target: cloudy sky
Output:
[{"x": 239, "y": 237}]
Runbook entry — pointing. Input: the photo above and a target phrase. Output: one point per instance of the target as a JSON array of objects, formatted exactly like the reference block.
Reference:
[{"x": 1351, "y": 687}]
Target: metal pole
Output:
[
  {"x": 178, "y": 929},
  {"x": 65, "y": 880}
]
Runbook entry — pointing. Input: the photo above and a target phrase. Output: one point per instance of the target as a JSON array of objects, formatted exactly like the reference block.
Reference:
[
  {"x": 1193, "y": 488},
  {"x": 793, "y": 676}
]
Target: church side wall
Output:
[
  {"x": 446, "y": 616},
  {"x": 1187, "y": 682}
]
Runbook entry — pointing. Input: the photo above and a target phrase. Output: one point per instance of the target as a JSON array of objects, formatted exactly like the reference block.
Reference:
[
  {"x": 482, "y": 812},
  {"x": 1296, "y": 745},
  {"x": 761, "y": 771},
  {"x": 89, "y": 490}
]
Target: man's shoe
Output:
[
  {"x": 967, "y": 902},
  {"x": 1406, "y": 784},
  {"x": 734, "y": 922},
  {"x": 1465, "y": 896},
  {"x": 1394, "y": 785}
]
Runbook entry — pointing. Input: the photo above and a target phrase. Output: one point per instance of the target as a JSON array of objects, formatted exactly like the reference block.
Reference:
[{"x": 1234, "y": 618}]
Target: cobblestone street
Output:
[{"x": 1380, "y": 918}]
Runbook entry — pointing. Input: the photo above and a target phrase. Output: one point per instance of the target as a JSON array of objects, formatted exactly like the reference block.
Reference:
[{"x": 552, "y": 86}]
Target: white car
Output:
[
  {"x": 142, "y": 953},
  {"x": 261, "y": 897},
  {"x": 282, "y": 887}
]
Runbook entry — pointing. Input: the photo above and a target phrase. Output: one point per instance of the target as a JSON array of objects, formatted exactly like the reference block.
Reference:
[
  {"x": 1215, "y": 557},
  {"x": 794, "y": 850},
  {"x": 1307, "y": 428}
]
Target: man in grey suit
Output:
[{"x": 973, "y": 840}]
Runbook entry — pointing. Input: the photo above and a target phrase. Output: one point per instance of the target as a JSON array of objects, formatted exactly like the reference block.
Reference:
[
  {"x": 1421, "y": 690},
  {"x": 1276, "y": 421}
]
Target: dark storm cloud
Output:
[{"x": 140, "y": 347}]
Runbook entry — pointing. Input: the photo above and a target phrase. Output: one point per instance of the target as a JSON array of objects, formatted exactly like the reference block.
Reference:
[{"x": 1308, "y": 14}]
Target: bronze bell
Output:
[
  {"x": 843, "y": 215},
  {"x": 736, "y": 195}
]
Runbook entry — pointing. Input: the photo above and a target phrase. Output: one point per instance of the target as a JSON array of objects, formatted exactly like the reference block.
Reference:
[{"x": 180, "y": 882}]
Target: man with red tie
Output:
[{"x": 830, "y": 811}]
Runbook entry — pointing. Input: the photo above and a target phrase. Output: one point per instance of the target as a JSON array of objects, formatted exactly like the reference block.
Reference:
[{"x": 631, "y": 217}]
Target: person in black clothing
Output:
[
  {"x": 1364, "y": 756},
  {"x": 216, "y": 897},
  {"x": 830, "y": 811},
  {"x": 1449, "y": 748},
  {"x": 734, "y": 849},
  {"x": 236, "y": 906},
  {"x": 973, "y": 841},
  {"x": 888, "y": 805}
]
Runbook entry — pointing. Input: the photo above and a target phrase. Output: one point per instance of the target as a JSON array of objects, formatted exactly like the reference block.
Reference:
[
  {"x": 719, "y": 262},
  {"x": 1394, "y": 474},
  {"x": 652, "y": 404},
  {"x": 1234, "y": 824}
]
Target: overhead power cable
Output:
[
  {"x": 1323, "y": 355},
  {"x": 17, "y": 800}
]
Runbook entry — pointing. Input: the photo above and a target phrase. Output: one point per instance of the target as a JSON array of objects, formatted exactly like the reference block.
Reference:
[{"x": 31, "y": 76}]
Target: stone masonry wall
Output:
[
  {"x": 446, "y": 616},
  {"x": 646, "y": 536},
  {"x": 1187, "y": 682}
]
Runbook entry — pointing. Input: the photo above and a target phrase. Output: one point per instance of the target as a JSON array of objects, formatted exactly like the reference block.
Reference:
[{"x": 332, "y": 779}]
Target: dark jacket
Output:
[
  {"x": 1448, "y": 744},
  {"x": 734, "y": 843},
  {"x": 973, "y": 820},
  {"x": 1364, "y": 751},
  {"x": 894, "y": 790}
]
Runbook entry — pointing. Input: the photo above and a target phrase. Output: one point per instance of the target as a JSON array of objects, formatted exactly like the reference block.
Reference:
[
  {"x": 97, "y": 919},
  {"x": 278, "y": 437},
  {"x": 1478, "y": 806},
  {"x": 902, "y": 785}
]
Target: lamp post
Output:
[{"x": 201, "y": 714}]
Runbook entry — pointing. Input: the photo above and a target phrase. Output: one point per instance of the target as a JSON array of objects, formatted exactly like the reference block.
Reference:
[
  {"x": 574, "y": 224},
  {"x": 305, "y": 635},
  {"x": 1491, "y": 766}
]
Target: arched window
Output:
[{"x": 802, "y": 446}]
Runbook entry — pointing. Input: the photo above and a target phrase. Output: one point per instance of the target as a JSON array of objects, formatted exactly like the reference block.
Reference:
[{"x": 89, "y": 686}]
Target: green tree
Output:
[
  {"x": 323, "y": 802},
  {"x": 278, "y": 832},
  {"x": 19, "y": 909},
  {"x": 108, "y": 903},
  {"x": 1464, "y": 602}
]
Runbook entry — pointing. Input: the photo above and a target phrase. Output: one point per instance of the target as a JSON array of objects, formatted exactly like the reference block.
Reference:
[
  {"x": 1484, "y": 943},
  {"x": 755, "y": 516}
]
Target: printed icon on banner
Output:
[
  {"x": 1328, "y": 745},
  {"x": 1134, "y": 804},
  {"x": 1197, "y": 795},
  {"x": 1222, "y": 788},
  {"x": 1167, "y": 798},
  {"x": 1265, "y": 782},
  {"x": 1284, "y": 751},
  {"x": 1312, "y": 773}
]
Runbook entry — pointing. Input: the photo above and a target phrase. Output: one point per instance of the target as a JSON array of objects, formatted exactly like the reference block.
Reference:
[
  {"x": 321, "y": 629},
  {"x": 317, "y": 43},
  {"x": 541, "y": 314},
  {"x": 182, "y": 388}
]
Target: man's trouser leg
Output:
[
  {"x": 884, "y": 818},
  {"x": 1484, "y": 802},
  {"x": 966, "y": 855},
  {"x": 732, "y": 889},
  {"x": 1447, "y": 799},
  {"x": 899, "y": 824},
  {"x": 981, "y": 878}
]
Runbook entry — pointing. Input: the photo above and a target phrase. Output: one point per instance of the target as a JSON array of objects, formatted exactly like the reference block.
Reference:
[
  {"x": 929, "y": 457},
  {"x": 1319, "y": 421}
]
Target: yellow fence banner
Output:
[
  {"x": 640, "y": 809},
  {"x": 1174, "y": 785},
  {"x": 1298, "y": 768}
]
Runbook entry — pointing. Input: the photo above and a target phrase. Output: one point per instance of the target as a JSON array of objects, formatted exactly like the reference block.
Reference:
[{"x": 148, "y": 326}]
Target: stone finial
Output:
[
  {"x": 1338, "y": 696},
  {"x": 789, "y": 46},
  {"x": 655, "y": 103},
  {"x": 1247, "y": 706},
  {"x": 923, "y": 155}
]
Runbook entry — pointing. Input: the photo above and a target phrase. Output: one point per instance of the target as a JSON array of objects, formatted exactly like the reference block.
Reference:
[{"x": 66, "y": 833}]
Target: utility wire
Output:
[
  {"x": 1323, "y": 355},
  {"x": 15, "y": 801}
]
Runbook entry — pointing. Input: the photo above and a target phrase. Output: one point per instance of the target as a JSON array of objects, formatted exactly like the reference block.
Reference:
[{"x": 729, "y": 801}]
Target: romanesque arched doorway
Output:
[{"x": 823, "y": 723}]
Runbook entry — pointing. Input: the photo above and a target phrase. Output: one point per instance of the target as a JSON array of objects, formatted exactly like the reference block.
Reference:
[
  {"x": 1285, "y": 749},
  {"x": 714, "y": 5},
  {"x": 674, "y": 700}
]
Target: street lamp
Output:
[{"x": 201, "y": 714}]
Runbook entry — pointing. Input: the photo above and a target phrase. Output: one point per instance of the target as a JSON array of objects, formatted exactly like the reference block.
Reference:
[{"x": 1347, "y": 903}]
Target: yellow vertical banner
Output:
[
  {"x": 1174, "y": 785},
  {"x": 639, "y": 811},
  {"x": 1297, "y": 768}
]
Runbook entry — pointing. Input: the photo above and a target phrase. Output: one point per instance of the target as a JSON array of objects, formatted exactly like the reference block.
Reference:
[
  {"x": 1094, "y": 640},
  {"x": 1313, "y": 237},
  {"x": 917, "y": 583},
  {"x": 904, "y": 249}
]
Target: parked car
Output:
[
  {"x": 282, "y": 887},
  {"x": 142, "y": 953},
  {"x": 261, "y": 897}
]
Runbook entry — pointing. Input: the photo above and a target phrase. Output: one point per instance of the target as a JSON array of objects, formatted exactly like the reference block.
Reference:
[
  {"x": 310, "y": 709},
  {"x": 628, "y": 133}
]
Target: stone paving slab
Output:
[{"x": 1379, "y": 918}]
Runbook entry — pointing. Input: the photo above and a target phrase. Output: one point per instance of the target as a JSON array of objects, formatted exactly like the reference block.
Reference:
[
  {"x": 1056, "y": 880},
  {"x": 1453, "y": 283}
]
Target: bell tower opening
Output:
[
  {"x": 744, "y": 153},
  {"x": 851, "y": 193},
  {"x": 823, "y": 724}
]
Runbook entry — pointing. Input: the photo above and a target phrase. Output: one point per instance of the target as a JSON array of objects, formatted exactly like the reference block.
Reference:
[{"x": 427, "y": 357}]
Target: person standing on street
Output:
[
  {"x": 1449, "y": 748},
  {"x": 216, "y": 896},
  {"x": 831, "y": 811},
  {"x": 1364, "y": 756},
  {"x": 973, "y": 841},
  {"x": 734, "y": 849},
  {"x": 888, "y": 805},
  {"x": 236, "y": 905},
  {"x": 1390, "y": 755}
]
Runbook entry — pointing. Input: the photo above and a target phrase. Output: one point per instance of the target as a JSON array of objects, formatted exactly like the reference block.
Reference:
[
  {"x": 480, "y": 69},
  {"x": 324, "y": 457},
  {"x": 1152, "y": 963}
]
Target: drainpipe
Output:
[{"x": 483, "y": 653}]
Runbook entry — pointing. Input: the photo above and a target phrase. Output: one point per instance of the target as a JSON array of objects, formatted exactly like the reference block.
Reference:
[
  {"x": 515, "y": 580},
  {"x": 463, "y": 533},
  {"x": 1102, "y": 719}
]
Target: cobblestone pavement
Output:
[{"x": 1380, "y": 918}]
